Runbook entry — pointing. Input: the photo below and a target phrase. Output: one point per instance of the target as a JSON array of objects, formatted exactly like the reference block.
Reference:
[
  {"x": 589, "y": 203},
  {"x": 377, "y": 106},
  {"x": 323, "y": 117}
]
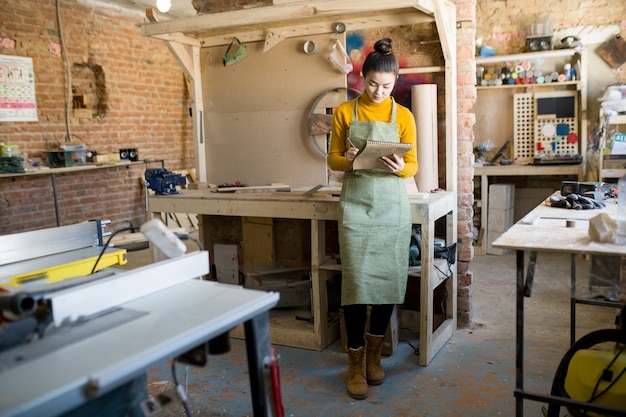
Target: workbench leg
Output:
[
  {"x": 484, "y": 209},
  {"x": 519, "y": 329},
  {"x": 530, "y": 273},
  {"x": 258, "y": 349},
  {"x": 572, "y": 319},
  {"x": 55, "y": 199}
]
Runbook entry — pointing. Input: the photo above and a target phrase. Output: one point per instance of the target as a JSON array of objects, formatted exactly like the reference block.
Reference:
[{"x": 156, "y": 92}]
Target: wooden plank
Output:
[
  {"x": 138, "y": 237},
  {"x": 253, "y": 188},
  {"x": 274, "y": 137},
  {"x": 287, "y": 331},
  {"x": 257, "y": 240},
  {"x": 288, "y": 14},
  {"x": 292, "y": 80}
]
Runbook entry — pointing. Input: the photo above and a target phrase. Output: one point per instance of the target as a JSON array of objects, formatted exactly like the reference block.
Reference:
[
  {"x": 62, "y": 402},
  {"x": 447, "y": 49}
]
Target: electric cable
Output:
[
  {"x": 68, "y": 99},
  {"x": 193, "y": 239},
  {"x": 585, "y": 342},
  {"x": 106, "y": 245},
  {"x": 416, "y": 350},
  {"x": 181, "y": 390},
  {"x": 595, "y": 396}
]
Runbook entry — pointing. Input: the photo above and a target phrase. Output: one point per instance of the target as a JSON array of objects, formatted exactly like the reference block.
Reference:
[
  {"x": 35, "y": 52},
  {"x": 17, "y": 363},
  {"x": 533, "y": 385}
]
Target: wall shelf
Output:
[
  {"x": 619, "y": 121},
  {"x": 530, "y": 56},
  {"x": 551, "y": 85}
]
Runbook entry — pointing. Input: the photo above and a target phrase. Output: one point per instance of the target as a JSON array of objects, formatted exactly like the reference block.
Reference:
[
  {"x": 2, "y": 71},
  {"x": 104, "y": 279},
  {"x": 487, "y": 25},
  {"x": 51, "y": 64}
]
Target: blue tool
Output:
[{"x": 163, "y": 182}]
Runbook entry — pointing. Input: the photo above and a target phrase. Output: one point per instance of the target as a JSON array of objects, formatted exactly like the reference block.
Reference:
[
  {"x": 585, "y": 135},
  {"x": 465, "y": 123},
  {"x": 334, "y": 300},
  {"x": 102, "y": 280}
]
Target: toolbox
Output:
[{"x": 67, "y": 158}]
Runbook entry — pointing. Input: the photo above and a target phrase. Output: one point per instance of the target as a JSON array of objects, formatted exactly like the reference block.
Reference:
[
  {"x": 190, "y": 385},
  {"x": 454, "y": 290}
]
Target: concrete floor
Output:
[{"x": 473, "y": 375}]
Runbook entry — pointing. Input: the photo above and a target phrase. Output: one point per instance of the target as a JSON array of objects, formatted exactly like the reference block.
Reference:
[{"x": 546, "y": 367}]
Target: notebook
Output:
[{"x": 369, "y": 155}]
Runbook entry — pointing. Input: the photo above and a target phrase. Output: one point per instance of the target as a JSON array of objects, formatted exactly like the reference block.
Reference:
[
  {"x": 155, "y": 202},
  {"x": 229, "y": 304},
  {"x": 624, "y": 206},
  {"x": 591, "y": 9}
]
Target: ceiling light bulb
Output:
[{"x": 163, "y": 5}]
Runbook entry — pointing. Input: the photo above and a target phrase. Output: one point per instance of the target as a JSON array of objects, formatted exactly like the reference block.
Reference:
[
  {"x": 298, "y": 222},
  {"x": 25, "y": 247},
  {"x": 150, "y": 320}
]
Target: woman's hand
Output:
[
  {"x": 351, "y": 153},
  {"x": 393, "y": 163}
]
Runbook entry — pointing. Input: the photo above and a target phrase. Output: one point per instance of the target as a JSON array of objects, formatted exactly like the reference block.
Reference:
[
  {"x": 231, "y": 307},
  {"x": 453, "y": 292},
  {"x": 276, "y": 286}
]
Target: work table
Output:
[
  {"x": 319, "y": 207},
  {"x": 545, "y": 229},
  {"x": 550, "y": 229}
]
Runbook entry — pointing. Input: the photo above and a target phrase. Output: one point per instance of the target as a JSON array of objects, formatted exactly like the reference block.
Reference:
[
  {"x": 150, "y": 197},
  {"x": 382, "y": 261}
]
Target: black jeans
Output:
[{"x": 355, "y": 316}]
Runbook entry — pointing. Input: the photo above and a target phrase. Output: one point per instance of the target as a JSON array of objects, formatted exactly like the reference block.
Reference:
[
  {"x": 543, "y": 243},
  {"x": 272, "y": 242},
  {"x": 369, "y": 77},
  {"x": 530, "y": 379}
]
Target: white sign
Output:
[
  {"x": 17, "y": 89},
  {"x": 619, "y": 144}
]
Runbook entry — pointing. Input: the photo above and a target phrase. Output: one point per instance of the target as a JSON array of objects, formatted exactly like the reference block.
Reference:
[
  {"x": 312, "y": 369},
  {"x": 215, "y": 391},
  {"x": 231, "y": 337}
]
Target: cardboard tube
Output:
[{"x": 424, "y": 108}]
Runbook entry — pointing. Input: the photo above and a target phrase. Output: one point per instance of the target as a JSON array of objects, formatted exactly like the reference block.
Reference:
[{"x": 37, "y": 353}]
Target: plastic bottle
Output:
[
  {"x": 567, "y": 71},
  {"x": 621, "y": 210}
]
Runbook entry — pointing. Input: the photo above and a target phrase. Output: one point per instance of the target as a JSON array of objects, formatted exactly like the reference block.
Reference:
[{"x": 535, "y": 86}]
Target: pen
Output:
[{"x": 351, "y": 144}]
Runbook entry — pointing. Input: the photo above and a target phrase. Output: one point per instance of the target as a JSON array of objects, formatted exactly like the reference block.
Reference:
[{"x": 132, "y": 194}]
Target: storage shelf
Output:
[
  {"x": 612, "y": 173},
  {"x": 290, "y": 327},
  {"x": 530, "y": 56},
  {"x": 556, "y": 84},
  {"x": 330, "y": 265},
  {"x": 508, "y": 111},
  {"x": 619, "y": 119}
]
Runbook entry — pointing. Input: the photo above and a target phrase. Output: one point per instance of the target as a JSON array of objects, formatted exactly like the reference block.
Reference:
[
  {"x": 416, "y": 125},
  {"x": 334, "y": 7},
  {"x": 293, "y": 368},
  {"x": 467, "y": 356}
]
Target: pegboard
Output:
[
  {"x": 556, "y": 122},
  {"x": 523, "y": 127},
  {"x": 554, "y": 135}
]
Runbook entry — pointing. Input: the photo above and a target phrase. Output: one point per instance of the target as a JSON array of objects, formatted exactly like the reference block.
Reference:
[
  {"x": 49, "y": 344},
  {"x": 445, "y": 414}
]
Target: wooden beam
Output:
[
  {"x": 178, "y": 38},
  {"x": 182, "y": 56},
  {"x": 445, "y": 18},
  {"x": 283, "y": 15},
  {"x": 421, "y": 70},
  {"x": 318, "y": 28}
]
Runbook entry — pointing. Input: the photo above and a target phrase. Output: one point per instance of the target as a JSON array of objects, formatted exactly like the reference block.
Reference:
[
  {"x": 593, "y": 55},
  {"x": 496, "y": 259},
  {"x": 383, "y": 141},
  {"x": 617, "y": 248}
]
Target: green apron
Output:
[{"x": 374, "y": 225}]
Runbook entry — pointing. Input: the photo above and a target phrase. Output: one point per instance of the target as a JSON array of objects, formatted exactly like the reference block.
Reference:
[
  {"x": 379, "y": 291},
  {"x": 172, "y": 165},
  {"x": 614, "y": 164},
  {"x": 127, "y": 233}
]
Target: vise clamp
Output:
[{"x": 163, "y": 182}]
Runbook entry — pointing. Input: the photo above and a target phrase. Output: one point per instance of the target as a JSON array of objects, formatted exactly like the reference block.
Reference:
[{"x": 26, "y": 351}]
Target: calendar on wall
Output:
[{"x": 18, "y": 102}]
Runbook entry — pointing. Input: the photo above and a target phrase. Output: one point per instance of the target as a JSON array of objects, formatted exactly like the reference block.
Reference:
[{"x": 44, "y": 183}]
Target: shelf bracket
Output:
[{"x": 272, "y": 39}]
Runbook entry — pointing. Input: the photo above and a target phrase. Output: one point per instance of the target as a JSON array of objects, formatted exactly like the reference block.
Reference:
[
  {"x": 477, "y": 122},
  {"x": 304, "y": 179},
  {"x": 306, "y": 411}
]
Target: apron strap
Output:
[{"x": 355, "y": 117}]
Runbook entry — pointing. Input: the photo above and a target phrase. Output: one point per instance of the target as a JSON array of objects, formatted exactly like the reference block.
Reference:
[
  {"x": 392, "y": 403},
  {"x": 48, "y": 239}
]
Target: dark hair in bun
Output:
[{"x": 381, "y": 59}]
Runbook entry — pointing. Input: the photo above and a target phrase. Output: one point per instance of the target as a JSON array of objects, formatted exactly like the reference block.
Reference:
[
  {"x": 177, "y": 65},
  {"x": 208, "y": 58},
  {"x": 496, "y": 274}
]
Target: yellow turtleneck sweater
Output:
[{"x": 370, "y": 111}]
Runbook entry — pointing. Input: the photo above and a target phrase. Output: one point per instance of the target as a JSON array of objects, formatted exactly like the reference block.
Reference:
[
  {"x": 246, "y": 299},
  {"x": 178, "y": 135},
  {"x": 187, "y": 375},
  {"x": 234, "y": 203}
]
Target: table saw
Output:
[{"x": 104, "y": 330}]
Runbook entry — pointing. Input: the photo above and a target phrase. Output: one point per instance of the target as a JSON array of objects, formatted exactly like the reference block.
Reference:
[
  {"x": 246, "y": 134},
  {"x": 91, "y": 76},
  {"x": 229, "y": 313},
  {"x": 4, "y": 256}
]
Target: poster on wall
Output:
[{"x": 17, "y": 89}]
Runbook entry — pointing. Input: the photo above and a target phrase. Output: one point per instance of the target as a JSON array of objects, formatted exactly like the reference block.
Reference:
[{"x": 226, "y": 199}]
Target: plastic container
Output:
[
  {"x": 9, "y": 150},
  {"x": 567, "y": 71},
  {"x": 163, "y": 238}
]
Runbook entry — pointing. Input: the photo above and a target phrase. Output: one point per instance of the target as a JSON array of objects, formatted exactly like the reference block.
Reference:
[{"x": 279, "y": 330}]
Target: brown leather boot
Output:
[
  {"x": 357, "y": 384},
  {"x": 374, "y": 370}
]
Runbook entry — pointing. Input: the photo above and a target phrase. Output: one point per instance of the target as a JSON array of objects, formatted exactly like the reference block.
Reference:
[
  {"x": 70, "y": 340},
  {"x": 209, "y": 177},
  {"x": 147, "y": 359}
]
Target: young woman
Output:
[{"x": 374, "y": 217}]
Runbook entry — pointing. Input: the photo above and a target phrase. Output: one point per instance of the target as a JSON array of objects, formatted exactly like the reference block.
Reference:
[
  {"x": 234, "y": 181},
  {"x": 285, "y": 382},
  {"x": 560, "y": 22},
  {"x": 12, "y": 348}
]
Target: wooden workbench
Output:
[
  {"x": 319, "y": 208},
  {"x": 545, "y": 229},
  {"x": 486, "y": 172}
]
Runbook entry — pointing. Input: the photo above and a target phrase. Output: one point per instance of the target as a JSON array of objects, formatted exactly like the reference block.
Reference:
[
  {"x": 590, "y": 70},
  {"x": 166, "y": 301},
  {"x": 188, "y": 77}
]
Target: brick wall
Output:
[
  {"x": 502, "y": 24},
  {"x": 466, "y": 96},
  {"x": 147, "y": 108}
]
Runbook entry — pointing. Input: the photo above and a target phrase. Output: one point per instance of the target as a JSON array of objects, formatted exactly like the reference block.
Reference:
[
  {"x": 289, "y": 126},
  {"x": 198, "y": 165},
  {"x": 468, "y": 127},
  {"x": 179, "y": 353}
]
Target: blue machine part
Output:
[{"x": 163, "y": 182}]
